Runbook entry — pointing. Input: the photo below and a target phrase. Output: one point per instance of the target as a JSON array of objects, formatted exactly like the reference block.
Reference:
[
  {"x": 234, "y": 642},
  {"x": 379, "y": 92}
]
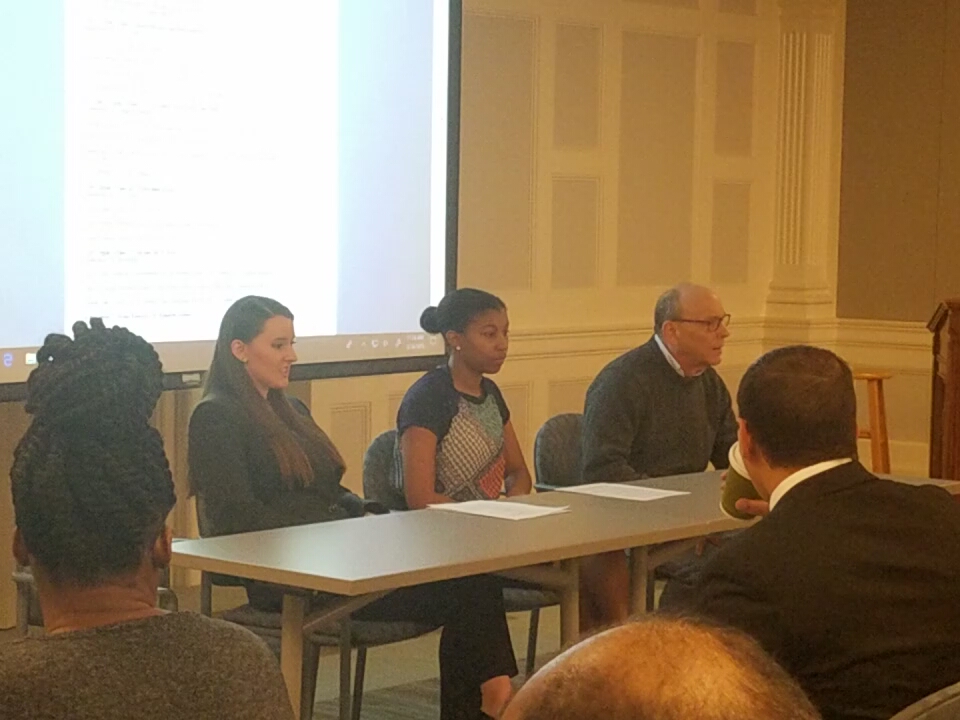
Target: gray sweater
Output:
[
  {"x": 180, "y": 665},
  {"x": 642, "y": 419}
]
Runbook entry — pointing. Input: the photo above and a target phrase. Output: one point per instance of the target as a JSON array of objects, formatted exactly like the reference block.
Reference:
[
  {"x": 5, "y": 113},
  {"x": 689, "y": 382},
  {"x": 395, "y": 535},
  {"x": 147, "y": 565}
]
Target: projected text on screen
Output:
[
  {"x": 167, "y": 157},
  {"x": 180, "y": 163}
]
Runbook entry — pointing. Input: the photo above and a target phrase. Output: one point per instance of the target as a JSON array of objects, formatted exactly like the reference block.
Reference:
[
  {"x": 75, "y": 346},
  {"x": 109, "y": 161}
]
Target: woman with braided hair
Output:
[
  {"x": 258, "y": 461},
  {"x": 91, "y": 492}
]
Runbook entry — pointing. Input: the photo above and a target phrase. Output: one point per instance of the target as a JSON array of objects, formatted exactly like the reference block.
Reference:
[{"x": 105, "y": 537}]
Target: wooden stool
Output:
[{"x": 877, "y": 434}]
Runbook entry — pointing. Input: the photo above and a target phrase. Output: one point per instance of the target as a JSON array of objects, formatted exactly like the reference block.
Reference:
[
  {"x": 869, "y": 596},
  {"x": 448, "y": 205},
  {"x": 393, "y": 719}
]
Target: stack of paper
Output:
[
  {"x": 502, "y": 510},
  {"x": 622, "y": 492}
]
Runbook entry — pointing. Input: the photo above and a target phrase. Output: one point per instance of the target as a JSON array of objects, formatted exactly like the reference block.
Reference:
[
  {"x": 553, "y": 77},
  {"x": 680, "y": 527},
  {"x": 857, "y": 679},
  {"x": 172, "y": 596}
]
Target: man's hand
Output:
[
  {"x": 758, "y": 508},
  {"x": 753, "y": 507}
]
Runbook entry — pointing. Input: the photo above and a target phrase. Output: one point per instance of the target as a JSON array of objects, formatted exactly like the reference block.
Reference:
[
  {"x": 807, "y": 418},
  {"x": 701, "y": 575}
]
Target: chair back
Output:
[
  {"x": 556, "y": 451},
  {"x": 378, "y": 472},
  {"x": 942, "y": 705},
  {"x": 28, "y": 601},
  {"x": 208, "y": 579},
  {"x": 203, "y": 524}
]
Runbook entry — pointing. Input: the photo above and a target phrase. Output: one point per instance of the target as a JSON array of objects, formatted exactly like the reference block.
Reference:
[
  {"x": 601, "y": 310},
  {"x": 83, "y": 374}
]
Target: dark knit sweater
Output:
[{"x": 642, "y": 419}]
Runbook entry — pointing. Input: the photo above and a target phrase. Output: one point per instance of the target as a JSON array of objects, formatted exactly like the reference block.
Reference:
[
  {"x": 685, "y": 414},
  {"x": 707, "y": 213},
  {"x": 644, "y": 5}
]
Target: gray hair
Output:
[{"x": 667, "y": 308}]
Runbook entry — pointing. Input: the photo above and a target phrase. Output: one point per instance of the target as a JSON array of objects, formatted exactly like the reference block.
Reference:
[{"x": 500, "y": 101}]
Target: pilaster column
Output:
[{"x": 807, "y": 172}]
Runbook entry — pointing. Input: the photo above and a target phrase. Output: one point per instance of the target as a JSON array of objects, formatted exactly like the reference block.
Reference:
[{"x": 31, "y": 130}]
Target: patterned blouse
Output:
[{"x": 470, "y": 461}]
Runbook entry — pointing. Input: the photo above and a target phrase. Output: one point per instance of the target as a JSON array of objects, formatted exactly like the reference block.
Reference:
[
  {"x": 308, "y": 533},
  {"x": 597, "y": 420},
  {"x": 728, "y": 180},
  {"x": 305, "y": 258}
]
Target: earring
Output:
[{"x": 457, "y": 348}]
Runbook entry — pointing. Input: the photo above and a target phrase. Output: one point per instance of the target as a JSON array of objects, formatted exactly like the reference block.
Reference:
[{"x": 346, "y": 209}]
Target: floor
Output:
[{"x": 412, "y": 661}]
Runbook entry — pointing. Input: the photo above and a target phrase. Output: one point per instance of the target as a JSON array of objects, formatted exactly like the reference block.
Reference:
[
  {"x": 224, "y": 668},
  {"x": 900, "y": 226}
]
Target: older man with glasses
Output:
[{"x": 659, "y": 409}]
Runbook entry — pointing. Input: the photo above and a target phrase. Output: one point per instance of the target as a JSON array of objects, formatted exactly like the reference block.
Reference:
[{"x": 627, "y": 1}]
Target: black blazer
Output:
[
  {"x": 238, "y": 481},
  {"x": 853, "y": 584}
]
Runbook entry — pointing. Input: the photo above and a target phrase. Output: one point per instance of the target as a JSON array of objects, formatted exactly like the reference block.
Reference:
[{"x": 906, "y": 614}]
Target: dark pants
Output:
[
  {"x": 474, "y": 644},
  {"x": 683, "y": 574}
]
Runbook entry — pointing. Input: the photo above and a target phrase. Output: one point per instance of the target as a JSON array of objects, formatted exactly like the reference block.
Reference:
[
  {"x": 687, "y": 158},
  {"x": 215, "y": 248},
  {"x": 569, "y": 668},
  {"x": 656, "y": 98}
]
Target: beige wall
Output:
[
  {"x": 900, "y": 194},
  {"x": 611, "y": 148},
  {"x": 899, "y": 248}
]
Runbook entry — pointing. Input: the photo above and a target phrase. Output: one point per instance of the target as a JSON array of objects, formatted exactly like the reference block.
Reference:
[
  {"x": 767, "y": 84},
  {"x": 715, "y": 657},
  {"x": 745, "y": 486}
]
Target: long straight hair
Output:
[{"x": 302, "y": 449}]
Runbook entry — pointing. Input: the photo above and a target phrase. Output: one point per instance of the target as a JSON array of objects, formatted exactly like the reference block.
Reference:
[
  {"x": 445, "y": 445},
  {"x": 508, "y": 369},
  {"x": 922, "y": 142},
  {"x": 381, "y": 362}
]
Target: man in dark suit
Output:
[{"x": 851, "y": 582}]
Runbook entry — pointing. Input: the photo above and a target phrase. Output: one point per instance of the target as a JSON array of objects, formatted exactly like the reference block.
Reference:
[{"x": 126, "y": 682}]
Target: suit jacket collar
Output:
[{"x": 826, "y": 483}]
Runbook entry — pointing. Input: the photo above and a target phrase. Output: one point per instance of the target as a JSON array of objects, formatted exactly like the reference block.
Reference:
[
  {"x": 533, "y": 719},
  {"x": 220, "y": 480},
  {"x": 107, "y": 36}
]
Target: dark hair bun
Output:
[
  {"x": 103, "y": 378},
  {"x": 430, "y": 320}
]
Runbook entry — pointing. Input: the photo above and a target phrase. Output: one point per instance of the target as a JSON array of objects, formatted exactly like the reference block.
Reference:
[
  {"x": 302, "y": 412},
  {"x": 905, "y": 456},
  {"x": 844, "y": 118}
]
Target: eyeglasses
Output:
[{"x": 712, "y": 324}]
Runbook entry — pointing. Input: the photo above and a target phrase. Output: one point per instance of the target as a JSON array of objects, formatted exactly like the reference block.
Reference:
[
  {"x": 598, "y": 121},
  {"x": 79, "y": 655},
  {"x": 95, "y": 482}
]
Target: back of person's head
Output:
[
  {"x": 662, "y": 668},
  {"x": 90, "y": 481},
  {"x": 300, "y": 447},
  {"x": 457, "y": 309},
  {"x": 799, "y": 406}
]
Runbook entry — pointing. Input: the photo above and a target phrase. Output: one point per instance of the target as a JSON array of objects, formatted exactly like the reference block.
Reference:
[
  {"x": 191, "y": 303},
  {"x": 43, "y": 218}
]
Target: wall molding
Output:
[
  {"x": 898, "y": 346},
  {"x": 905, "y": 347},
  {"x": 537, "y": 344}
]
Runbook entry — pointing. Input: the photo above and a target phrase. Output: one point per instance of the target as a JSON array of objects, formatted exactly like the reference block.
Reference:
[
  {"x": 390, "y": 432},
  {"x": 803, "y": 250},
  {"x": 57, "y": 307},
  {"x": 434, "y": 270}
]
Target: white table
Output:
[{"x": 363, "y": 559}]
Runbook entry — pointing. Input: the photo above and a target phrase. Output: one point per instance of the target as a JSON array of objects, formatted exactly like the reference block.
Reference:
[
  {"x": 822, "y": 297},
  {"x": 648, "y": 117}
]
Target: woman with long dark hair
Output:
[{"x": 257, "y": 459}]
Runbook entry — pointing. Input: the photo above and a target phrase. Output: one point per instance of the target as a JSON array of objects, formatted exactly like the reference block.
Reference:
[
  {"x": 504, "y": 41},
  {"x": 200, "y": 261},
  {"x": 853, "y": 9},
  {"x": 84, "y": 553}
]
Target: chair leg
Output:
[
  {"x": 206, "y": 594},
  {"x": 358, "y": 682},
  {"x": 308, "y": 679},
  {"x": 532, "y": 643},
  {"x": 651, "y": 592},
  {"x": 879, "y": 444},
  {"x": 345, "y": 654},
  {"x": 23, "y": 609},
  {"x": 167, "y": 599}
]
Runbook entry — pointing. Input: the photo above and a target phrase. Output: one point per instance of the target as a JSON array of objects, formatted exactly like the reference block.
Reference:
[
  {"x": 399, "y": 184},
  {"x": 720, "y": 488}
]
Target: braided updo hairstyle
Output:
[{"x": 90, "y": 480}]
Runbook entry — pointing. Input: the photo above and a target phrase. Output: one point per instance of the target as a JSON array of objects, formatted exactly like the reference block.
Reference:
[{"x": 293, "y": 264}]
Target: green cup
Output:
[{"x": 737, "y": 485}]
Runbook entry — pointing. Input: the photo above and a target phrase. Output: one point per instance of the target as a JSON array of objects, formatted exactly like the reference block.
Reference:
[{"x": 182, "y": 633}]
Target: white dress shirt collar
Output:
[
  {"x": 791, "y": 481},
  {"x": 669, "y": 356}
]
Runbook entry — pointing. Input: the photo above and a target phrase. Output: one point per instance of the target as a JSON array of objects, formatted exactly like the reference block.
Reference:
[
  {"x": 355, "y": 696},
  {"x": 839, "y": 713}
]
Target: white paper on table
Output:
[
  {"x": 502, "y": 510},
  {"x": 622, "y": 492}
]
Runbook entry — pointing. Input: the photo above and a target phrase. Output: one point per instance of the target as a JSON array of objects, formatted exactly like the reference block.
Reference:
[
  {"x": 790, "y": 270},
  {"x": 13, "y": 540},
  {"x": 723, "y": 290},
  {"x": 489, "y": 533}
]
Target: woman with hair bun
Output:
[
  {"x": 455, "y": 439},
  {"x": 91, "y": 493}
]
